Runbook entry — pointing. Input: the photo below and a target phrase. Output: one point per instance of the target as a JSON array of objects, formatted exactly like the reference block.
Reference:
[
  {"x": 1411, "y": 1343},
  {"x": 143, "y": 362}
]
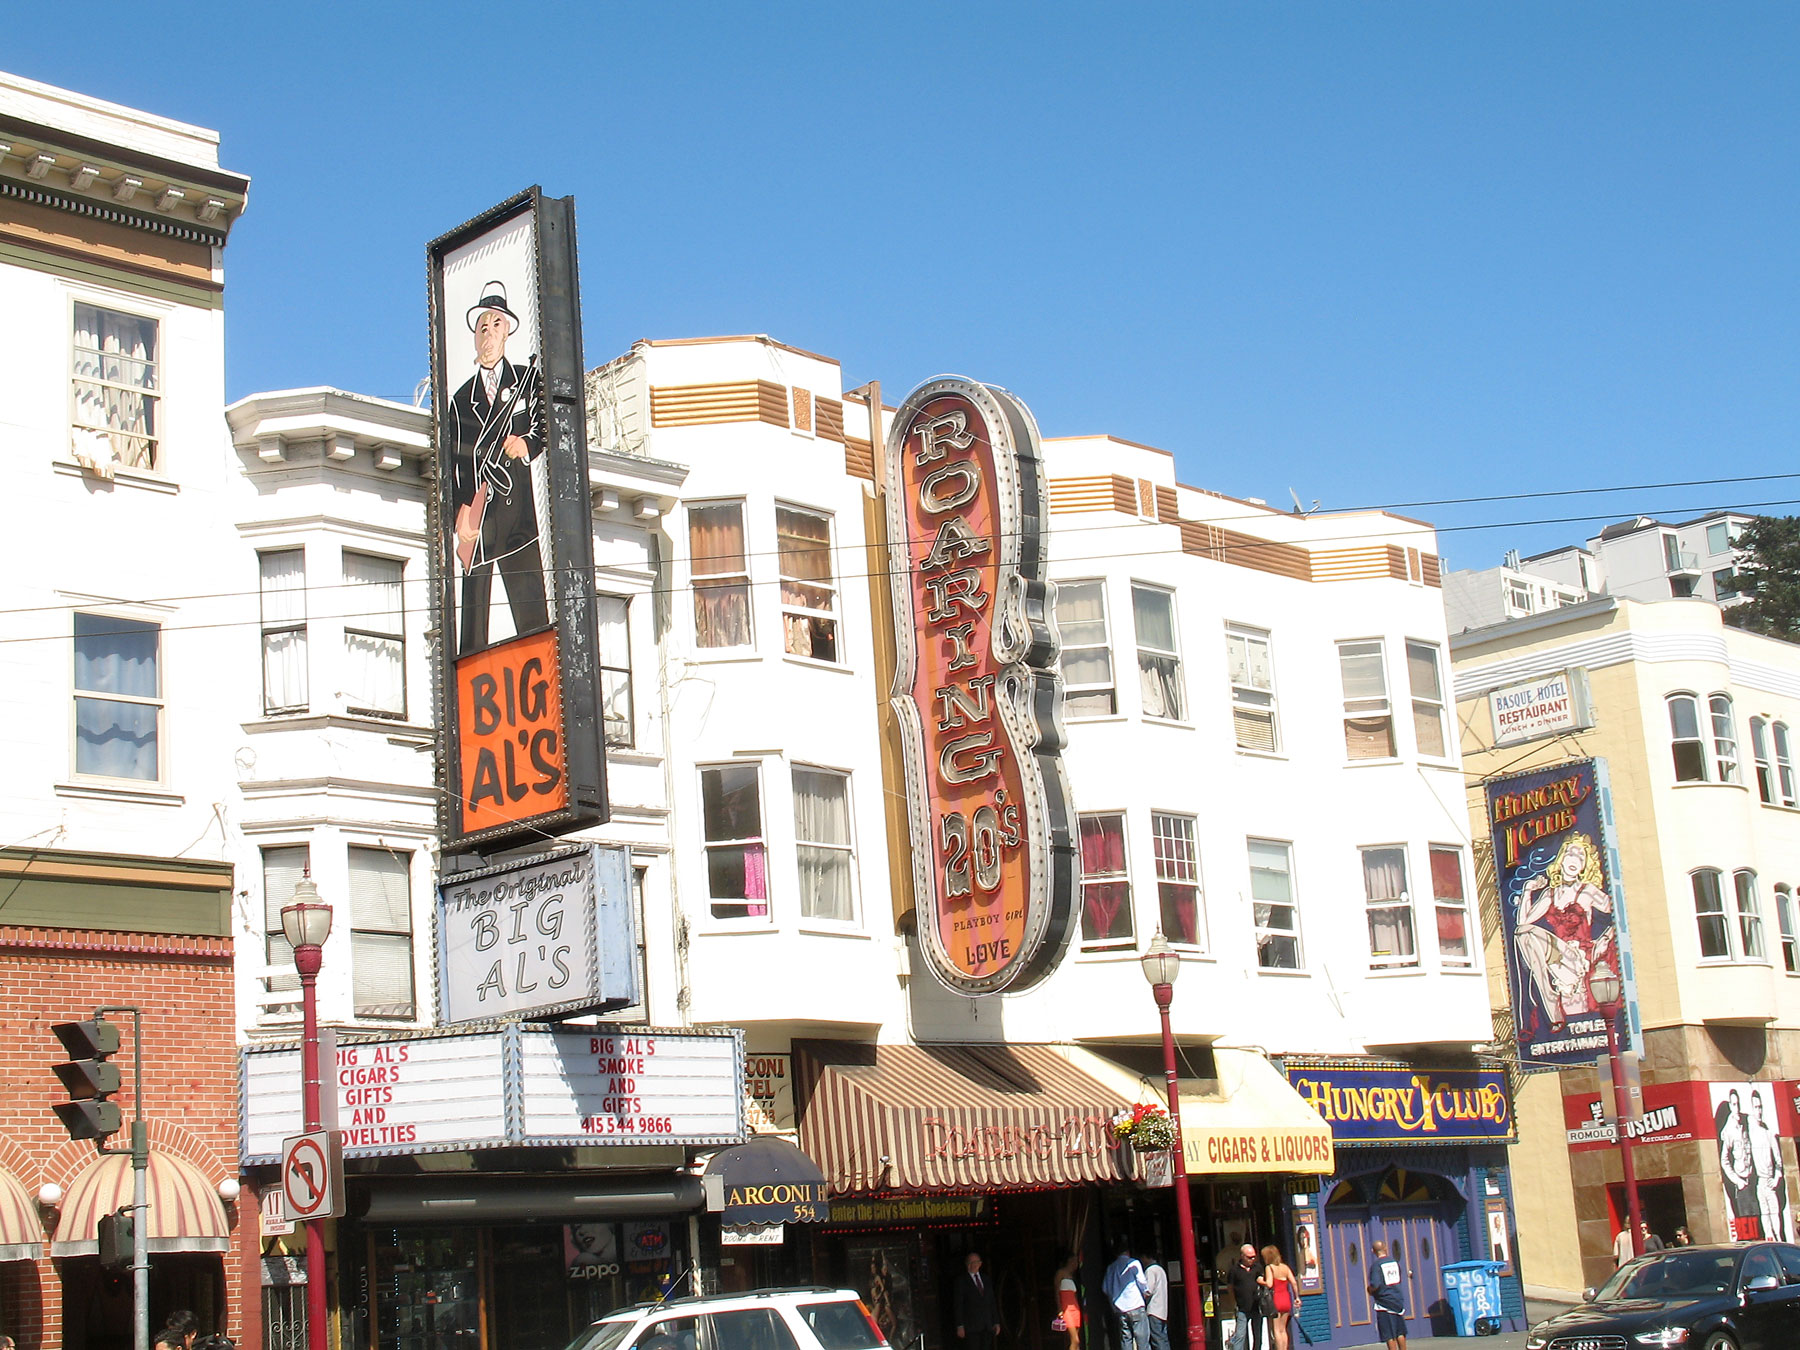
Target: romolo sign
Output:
[{"x": 976, "y": 687}]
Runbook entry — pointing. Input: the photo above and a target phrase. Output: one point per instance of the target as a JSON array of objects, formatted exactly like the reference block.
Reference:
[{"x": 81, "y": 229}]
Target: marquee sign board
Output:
[
  {"x": 512, "y": 568},
  {"x": 977, "y": 691},
  {"x": 546, "y": 936},
  {"x": 445, "y": 1091}
]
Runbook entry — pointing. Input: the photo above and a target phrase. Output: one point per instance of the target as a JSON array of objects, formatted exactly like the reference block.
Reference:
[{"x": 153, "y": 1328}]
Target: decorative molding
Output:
[
  {"x": 123, "y": 191},
  {"x": 170, "y": 945}
]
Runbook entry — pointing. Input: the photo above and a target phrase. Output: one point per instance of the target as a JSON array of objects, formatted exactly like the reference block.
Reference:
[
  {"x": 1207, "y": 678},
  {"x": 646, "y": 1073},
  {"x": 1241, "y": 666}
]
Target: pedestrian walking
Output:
[
  {"x": 1068, "y": 1299},
  {"x": 1246, "y": 1292},
  {"x": 1126, "y": 1289},
  {"x": 1283, "y": 1292},
  {"x": 977, "y": 1314},
  {"x": 1386, "y": 1287}
]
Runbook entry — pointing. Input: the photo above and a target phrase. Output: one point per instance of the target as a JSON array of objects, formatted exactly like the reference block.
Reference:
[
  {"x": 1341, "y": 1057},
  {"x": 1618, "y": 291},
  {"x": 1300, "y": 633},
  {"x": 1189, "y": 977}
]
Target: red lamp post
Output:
[
  {"x": 306, "y": 923},
  {"x": 1161, "y": 966},
  {"x": 1607, "y": 990}
]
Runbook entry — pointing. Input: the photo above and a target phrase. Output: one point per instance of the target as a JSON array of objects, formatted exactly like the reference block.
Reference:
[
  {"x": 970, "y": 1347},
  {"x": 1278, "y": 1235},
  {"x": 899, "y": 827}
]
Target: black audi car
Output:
[{"x": 1744, "y": 1296}]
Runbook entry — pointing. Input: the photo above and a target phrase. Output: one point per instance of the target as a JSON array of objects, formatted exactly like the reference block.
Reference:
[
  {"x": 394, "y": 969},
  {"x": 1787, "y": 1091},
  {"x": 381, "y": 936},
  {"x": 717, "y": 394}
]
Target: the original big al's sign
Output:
[{"x": 976, "y": 688}]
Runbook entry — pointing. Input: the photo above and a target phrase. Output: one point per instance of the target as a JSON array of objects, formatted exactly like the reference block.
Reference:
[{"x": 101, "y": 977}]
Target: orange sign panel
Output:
[
  {"x": 976, "y": 688},
  {"x": 509, "y": 738}
]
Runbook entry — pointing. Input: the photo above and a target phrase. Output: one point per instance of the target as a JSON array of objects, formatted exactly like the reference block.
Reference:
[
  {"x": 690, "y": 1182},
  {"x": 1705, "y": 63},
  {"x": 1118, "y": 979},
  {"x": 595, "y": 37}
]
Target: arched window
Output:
[
  {"x": 1790, "y": 938},
  {"x": 1749, "y": 916},
  {"x": 1784, "y": 763},
  {"x": 1684, "y": 737},
  {"x": 1765, "y": 770},
  {"x": 1724, "y": 738},
  {"x": 1709, "y": 913}
]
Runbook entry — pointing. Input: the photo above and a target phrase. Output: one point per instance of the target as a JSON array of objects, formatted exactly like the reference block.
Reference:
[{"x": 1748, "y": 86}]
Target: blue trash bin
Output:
[{"x": 1473, "y": 1290}]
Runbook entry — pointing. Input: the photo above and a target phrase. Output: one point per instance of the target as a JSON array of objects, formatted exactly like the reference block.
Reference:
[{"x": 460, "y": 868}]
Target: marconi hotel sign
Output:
[{"x": 976, "y": 688}]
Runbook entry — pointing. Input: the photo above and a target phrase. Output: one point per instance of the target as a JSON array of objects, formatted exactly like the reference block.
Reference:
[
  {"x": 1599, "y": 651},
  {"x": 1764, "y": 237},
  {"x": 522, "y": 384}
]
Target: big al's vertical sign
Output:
[
  {"x": 512, "y": 569},
  {"x": 976, "y": 688},
  {"x": 1562, "y": 911}
]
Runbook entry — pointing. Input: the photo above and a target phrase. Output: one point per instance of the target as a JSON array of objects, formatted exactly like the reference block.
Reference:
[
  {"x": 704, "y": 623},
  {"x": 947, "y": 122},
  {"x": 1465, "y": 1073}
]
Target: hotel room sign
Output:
[{"x": 977, "y": 691}]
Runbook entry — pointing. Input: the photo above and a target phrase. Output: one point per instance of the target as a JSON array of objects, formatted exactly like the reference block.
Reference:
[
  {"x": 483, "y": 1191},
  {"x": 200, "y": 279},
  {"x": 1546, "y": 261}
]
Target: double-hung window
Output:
[
  {"x": 822, "y": 838},
  {"x": 381, "y": 948},
  {"x": 1252, "y": 689},
  {"x": 283, "y": 630},
  {"x": 1105, "y": 885},
  {"x": 1368, "y": 717},
  {"x": 1684, "y": 739},
  {"x": 737, "y": 865},
  {"x": 1759, "y": 750},
  {"x": 115, "y": 388},
  {"x": 1276, "y": 913},
  {"x": 1784, "y": 763},
  {"x": 118, "y": 698},
  {"x": 614, "y": 613},
  {"x": 282, "y": 868},
  {"x": 1389, "y": 903},
  {"x": 1790, "y": 935},
  {"x": 1159, "y": 658},
  {"x": 1709, "y": 914},
  {"x": 720, "y": 566},
  {"x": 808, "y": 589},
  {"x": 1178, "y": 878},
  {"x": 1424, "y": 675},
  {"x": 1086, "y": 651},
  {"x": 1724, "y": 737},
  {"x": 374, "y": 636},
  {"x": 1449, "y": 895},
  {"x": 1749, "y": 916}
]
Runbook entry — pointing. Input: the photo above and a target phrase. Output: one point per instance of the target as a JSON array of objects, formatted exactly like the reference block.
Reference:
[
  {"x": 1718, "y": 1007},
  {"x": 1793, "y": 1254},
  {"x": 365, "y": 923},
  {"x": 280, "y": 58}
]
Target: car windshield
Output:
[
  {"x": 603, "y": 1335},
  {"x": 842, "y": 1325},
  {"x": 1667, "y": 1275}
]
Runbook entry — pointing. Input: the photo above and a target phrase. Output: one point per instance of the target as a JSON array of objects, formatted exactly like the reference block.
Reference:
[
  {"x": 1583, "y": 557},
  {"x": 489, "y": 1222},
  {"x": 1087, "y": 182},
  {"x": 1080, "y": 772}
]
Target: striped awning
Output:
[
  {"x": 21, "y": 1235},
  {"x": 953, "y": 1118},
  {"x": 186, "y": 1214}
]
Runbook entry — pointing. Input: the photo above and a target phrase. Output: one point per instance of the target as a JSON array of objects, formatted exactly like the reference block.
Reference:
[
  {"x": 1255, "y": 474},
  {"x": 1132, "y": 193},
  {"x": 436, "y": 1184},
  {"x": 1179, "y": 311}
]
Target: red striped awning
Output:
[
  {"x": 21, "y": 1235},
  {"x": 186, "y": 1214},
  {"x": 953, "y": 1118}
]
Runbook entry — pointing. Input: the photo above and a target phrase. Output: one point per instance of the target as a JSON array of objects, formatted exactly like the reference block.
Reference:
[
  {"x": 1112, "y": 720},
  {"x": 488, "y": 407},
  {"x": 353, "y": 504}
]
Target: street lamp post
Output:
[
  {"x": 1161, "y": 966},
  {"x": 1607, "y": 990},
  {"x": 306, "y": 923}
]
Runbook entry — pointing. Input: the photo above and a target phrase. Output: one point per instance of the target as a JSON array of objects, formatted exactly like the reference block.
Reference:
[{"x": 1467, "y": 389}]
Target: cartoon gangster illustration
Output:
[
  {"x": 497, "y": 429},
  {"x": 1555, "y": 936}
]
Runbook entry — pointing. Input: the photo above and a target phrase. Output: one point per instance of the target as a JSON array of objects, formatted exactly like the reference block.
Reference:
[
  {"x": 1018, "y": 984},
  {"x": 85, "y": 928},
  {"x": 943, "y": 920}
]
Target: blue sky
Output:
[{"x": 1375, "y": 253}]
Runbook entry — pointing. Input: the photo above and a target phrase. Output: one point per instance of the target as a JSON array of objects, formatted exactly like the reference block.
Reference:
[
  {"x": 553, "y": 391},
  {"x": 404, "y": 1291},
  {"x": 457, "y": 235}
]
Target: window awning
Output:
[
  {"x": 1248, "y": 1119},
  {"x": 954, "y": 1117},
  {"x": 768, "y": 1180},
  {"x": 186, "y": 1214},
  {"x": 21, "y": 1235}
]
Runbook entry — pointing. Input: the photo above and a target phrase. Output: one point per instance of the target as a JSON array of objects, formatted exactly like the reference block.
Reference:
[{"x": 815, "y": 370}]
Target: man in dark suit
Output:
[
  {"x": 500, "y": 410},
  {"x": 977, "y": 1315}
]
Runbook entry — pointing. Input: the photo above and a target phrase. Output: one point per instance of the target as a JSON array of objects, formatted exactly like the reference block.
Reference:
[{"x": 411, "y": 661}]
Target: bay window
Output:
[
  {"x": 822, "y": 839},
  {"x": 118, "y": 698},
  {"x": 1105, "y": 887},
  {"x": 1086, "y": 650},
  {"x": 1177, "y": 878},
  {"x": 283, "y": 597},
  {"x": 720, "y": 567},
  {"x": 1159, "y": 659},
  {"x": 1272, "y": 894},
  {"x": 1368, "y": 717},
  {"x": 1389, "y": 904},
  {"x": 374, "y": 635},
  {"x": 737, "y": 871}
]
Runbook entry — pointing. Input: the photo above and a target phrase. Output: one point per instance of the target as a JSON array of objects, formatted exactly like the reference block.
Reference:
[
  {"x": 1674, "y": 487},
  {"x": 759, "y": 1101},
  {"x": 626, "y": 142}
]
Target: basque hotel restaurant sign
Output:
[
  {"x": 443, "y": 1091},
  {"x": 549, "y": 935},
  {"x": 512, "y": 567},
  {"x": 976, "y": 687},
  {"x": 1370, "y": 1104},
  {"x": 1561, "y": 911}
]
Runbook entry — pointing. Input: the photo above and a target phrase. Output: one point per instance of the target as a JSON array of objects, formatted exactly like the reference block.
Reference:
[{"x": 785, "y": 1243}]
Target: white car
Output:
[{"x": 812, "y": 1318}]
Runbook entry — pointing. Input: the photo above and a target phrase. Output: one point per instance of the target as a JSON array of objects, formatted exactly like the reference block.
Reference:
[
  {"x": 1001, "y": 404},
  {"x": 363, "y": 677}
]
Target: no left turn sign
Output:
[{"x": 312, "y": 1175}]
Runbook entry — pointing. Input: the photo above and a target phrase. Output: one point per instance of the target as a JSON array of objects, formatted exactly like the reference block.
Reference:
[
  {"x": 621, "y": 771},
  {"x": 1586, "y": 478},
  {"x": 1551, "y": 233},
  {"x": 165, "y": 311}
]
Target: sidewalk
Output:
[{"x": 1536, "y": 1310}]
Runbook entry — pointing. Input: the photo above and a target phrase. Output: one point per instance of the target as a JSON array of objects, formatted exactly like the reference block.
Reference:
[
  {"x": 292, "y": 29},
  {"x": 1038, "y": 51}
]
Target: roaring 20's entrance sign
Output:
[
  {"x": 512, "y": 568},
  {"x": 976, "y": 687}
]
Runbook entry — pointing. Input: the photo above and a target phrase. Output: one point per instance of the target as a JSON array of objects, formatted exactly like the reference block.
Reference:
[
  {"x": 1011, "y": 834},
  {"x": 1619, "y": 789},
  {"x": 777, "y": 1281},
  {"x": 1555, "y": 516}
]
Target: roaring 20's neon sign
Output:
[{"x": 976, "y": 687}]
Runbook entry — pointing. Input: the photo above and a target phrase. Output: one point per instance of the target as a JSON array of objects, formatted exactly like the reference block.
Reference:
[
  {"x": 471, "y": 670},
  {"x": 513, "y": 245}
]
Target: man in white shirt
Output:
[
  {"x": 1156, "y": 1303},
  {"x": 1765, "y": 1158},
  {"x": 1125, "y": 1289}
]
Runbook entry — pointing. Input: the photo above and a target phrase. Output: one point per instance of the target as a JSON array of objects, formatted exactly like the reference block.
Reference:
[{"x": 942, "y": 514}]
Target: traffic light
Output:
[
  {"x": 115, "y": 1240},
  {"x": 89, "y": 1078}
]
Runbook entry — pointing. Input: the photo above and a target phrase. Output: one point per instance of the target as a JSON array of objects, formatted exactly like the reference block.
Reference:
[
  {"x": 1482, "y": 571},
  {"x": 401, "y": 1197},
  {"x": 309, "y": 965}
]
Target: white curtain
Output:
[
  {"x": 113, "y": 738},
  {"x": 374, "y": 653},
  {"x": 381, "y": 932},
  {"x": 822, "y": 832},
  {"x": 282, "y": 869},
  {"x": 284, "y": 629},
  {"x": 1390, "y": 907},
  {"x": 118, "y": 349},
  {"x": 615, "y": 669}
]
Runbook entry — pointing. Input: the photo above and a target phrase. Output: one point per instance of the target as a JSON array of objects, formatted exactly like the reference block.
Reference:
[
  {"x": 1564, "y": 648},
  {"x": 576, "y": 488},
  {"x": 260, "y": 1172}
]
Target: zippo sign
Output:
[{"x": 976, "y": 687}]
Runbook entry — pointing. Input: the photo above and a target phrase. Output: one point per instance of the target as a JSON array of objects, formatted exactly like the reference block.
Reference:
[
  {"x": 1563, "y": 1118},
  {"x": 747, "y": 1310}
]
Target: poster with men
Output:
[{"x": 1749, "y": 1143}]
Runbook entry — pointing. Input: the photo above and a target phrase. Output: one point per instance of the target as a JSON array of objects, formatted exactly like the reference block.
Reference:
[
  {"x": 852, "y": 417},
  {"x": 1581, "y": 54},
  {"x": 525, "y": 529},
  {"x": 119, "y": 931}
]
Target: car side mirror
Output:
[
  {"x": 1764, "y": 1282},
  {"x": 1587, "y": 1295}
]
